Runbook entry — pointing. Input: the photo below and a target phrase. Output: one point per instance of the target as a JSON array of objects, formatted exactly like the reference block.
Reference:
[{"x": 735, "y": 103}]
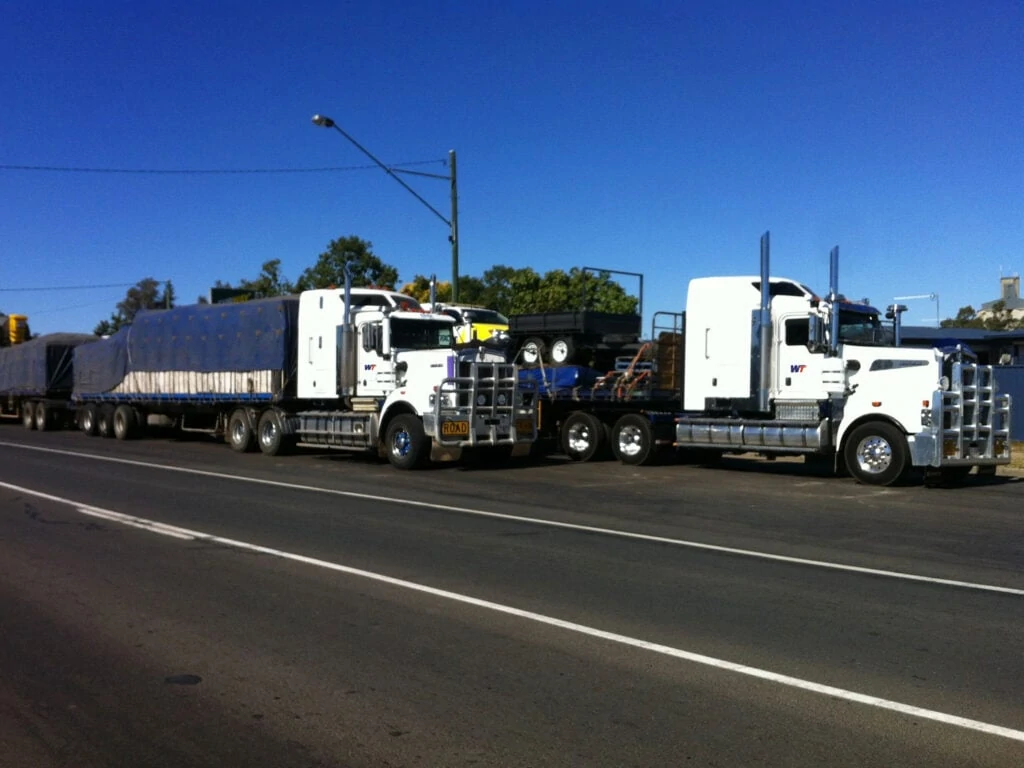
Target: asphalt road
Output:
[{"x": 299, "y": 611}]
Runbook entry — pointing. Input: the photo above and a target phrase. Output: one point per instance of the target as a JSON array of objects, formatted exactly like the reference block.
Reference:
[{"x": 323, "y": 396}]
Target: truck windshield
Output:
[
  {"x": 488, "y": 316},
  {"x": 863, "y": 328},
  {"x": 409, "y": 333}
]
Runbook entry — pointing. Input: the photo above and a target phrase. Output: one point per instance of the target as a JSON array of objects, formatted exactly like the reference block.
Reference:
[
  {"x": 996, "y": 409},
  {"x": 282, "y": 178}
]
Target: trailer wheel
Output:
[
  {"x": 406, "y": 442},
  {"x": 240, "y": 434},
  {"x": 532, "y": 352},
  {"x": 584, "y": 437},
  {"x": 28, "y": 415},
  {"x": 44, "y": 417},
  {"x": 105, "y": 420},
  {"x": 876, "y": 453},
  {"x": 562, "y": 351},
  {"x": 270, "y": 434},
  {"x": 123, "y": 423},
  {"x": 633, "y": 440},
  {"x": 87, "y": 420}
]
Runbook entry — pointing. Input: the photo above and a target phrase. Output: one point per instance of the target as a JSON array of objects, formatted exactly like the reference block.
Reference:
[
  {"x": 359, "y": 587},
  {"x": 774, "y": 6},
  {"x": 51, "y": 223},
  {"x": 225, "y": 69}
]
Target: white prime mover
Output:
[{"x": 353, "y": 369}]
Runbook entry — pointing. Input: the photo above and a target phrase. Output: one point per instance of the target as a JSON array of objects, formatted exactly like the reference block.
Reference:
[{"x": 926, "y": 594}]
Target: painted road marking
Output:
[
  {"x": 844, "y": 567},
  {"x": 666, "y": 650}
]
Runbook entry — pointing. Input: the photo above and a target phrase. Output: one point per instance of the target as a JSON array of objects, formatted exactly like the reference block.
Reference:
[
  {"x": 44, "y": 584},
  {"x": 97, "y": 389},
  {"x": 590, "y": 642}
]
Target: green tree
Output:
[
  {"x": 366, "y": 268},
  {"x": 998, "y": 318},
  {"x": 145, "y": 294},
  {"x": 524, "y": 291}
]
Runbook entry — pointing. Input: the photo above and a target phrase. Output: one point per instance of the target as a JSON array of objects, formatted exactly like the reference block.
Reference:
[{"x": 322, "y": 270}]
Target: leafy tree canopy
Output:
[
  {"x": 514, "y": 291},
  {"x": 366, "y": 268},
  {"x": 145, "y": 294},
  {"x": 999, "y": 318}
]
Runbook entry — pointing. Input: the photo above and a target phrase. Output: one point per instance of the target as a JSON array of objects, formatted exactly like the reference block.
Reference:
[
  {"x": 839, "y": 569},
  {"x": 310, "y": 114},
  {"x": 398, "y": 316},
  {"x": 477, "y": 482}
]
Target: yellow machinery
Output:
[{"x": 13, "y": 329}]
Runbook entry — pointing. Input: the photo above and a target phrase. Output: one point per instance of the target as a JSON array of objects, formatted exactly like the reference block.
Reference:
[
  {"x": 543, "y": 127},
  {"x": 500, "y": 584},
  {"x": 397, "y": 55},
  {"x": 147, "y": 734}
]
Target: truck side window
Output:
[{"x": 797, "y": 333}]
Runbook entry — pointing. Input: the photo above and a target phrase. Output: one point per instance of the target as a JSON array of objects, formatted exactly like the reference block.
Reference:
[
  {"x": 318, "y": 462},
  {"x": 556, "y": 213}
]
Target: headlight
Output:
[
  {"x": 944, "y": 383},
  {"x": 481, "y": 400},
  {"x": 502, "y": 399},
  {"x": 446, "y": 401}
]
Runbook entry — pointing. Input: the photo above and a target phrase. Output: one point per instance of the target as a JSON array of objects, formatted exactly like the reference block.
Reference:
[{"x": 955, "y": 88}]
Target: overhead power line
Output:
[
  {"x": 209, "y": 171},
  {"x": 71, "y": 287}
]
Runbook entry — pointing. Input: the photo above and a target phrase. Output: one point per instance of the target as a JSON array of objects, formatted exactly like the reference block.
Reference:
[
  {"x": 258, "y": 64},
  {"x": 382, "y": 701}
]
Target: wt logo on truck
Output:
[
  {"x": 796, "y": 368},
  {"x": 369, "y": 366}
]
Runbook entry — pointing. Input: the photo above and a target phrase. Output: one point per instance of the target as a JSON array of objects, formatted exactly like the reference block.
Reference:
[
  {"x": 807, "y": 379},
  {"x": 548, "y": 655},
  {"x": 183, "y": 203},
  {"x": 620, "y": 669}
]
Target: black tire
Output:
[
  {"x": 28, "y": 415},
  {"x": 562, "y": 351},
  {"x": 584, "y": 437},
  {"x": 405, "y": 442},
  {"x": 87, "y": 418},
  {"x": 240, "y": 435},
  {"x": 876, "y": 453},
  {"x": 123, "y": 422},
  {"x": 531, "y": 354},
  {"x": 270, "y": 434},
  {"x": 44, "y": 417},
  {"x": 633, "y": 440},
  {"x": 105, "y": 420}
]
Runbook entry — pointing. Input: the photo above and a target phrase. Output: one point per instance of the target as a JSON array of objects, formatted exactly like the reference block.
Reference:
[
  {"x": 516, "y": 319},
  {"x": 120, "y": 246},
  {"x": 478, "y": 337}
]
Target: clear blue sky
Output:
[{"x": 661, "y": 137}]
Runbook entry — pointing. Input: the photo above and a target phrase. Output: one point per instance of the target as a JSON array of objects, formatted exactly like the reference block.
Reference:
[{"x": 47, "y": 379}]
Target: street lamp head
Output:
[{"x": 323, "y": 121}]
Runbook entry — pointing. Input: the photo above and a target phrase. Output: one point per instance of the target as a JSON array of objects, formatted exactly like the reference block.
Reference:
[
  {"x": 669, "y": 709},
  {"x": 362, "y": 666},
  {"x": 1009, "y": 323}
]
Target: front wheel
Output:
[
  {"x": 876, "y": 453},
  {"x": 406, "y": 442},
  {"x": 633, "y": 440}
]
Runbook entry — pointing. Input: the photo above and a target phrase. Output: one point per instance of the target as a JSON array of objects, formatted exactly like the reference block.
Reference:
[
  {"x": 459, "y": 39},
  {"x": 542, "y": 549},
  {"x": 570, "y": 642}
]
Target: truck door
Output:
[
  {"x": 375, "y": 374},
  {"x": 798, "y": 372}
]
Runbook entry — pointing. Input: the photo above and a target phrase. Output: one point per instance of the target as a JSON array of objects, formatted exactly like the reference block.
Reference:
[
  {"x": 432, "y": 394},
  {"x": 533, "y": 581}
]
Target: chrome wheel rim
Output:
[
  {"x": 874, "y": 455},
  {"x": 268, "y": 433},
  {"x": 580, "y": 438},
  {"x": 238, "y": 433},
  {"x": 401, "y": 443},
  {"x": 631, "y": 441}
]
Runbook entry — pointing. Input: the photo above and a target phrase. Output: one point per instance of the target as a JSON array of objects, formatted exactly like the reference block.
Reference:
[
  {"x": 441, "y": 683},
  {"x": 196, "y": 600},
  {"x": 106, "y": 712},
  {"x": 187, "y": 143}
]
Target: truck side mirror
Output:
[{"x": 815, "y": 334}]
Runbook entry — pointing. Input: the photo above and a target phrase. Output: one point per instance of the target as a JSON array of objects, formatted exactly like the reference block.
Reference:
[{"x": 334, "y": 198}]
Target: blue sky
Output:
[{"x": 661, "y": 137}]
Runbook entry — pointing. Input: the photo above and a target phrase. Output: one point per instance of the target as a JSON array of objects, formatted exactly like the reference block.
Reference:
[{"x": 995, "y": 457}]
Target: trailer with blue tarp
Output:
[{"x": 36, "y": 378}]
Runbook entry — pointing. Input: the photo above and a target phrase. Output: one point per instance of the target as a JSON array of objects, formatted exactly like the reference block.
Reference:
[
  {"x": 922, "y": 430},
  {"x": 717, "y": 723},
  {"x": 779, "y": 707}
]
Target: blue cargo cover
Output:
[
  {"x": 200, "y": 338},
  {"x": 555, "y": 379},
  {"x": 40, "y": 367}
]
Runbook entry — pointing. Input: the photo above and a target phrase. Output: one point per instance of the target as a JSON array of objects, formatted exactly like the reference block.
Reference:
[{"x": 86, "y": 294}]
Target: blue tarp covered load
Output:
[
  {"x": 202, "y": 338},
  {"x": 559, "y": 378},
  {"x": 41, "y": 366}
]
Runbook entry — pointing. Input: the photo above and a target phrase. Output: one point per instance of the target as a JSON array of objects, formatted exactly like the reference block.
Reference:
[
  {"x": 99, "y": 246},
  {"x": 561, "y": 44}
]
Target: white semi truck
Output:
[
  {"x": 352, "y": 369},
  {"x": 762, "y": 364}
]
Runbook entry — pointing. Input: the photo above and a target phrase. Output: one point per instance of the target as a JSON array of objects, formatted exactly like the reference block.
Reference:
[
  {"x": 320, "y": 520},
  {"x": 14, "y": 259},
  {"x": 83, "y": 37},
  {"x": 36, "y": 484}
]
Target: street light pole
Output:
[{"x": 453, "y": 223}]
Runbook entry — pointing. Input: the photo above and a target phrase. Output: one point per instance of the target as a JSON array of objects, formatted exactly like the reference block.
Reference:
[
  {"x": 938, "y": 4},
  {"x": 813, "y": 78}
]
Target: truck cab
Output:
[
  {"x": 783, "y": 370},
  {"x": 473, "y": 323},
  {"x": 389, "y": 362}
]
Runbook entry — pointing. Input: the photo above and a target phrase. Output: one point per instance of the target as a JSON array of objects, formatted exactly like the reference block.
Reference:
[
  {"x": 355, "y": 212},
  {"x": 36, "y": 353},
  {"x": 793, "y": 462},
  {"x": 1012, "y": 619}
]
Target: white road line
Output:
[
  {"x": 666, "y": 650},
  {"x": 541, "y": 522}
]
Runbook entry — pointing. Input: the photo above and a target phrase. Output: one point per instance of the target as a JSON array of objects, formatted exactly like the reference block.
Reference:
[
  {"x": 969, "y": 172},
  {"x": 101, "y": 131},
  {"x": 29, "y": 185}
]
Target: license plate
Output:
[
  {"x": 455, "y": 428},
  {"x": 524, "y": 426}
]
